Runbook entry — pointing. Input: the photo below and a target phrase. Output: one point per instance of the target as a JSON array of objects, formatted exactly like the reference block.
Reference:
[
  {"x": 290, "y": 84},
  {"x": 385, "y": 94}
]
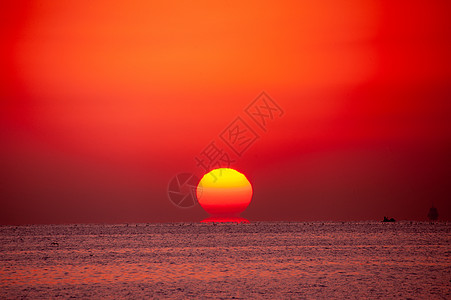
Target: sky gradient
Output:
[{"x": 103, "y": 102}]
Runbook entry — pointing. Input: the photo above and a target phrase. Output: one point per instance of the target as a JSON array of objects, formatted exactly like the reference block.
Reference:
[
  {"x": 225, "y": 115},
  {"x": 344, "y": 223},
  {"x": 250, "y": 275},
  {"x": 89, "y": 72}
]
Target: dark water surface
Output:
[{"x": 243, "y": 261}]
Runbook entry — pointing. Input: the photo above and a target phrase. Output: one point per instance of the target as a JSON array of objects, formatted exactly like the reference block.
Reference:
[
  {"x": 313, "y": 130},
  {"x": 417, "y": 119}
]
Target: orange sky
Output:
[{"x": 103, "y": 102}]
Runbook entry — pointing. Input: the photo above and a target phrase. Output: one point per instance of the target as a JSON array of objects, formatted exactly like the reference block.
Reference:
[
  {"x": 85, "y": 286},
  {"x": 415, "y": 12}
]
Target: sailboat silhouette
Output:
[{"x": 433, "y": 213}]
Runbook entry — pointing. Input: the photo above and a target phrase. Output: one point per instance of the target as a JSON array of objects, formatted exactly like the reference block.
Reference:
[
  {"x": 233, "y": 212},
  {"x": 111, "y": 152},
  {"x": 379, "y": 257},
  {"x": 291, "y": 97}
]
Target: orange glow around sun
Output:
[{"x": 224, "y": 192}]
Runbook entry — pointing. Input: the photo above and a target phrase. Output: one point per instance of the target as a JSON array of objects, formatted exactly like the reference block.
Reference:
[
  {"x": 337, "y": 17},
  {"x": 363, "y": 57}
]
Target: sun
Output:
[{"x": 224, "y": 193}]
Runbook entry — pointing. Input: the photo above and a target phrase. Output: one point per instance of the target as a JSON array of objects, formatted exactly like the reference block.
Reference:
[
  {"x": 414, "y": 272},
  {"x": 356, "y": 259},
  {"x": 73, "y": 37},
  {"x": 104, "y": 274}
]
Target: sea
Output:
[{"x": 259, "y": 260}]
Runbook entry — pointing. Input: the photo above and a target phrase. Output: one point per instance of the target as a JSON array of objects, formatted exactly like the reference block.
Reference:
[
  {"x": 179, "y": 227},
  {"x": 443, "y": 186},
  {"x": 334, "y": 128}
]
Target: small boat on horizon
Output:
[
  {"x": 433, "y": 214},
  {"x": 388, "y": 220}
]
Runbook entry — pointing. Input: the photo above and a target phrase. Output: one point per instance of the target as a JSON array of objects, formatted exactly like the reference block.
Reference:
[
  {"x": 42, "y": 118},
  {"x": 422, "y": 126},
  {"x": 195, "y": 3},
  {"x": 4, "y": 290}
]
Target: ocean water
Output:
[{"x": 227, "y": 261}]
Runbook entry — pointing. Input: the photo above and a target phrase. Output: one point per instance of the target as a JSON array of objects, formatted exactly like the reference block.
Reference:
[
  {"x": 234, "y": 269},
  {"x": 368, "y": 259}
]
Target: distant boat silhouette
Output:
[
  {"x": 388, "y": 220},
  {"x": 433, "y": 213}
]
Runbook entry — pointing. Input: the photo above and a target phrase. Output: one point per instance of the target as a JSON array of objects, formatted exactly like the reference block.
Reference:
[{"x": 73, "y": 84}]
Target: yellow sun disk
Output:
[
  {"x": 224, "y": 178},
  {"x": 220, "y": 196},
  {"x": 224, "y": 192}
]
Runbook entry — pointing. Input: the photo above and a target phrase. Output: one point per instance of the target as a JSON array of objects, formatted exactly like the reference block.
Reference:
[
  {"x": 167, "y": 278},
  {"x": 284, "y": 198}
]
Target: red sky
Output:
[{"x": 103, "y": 102}]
